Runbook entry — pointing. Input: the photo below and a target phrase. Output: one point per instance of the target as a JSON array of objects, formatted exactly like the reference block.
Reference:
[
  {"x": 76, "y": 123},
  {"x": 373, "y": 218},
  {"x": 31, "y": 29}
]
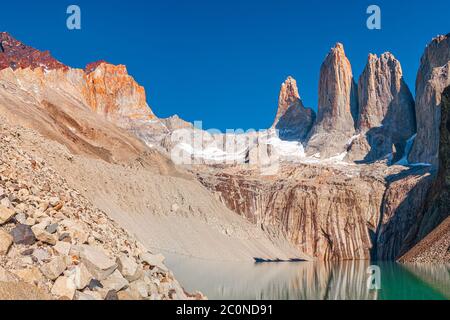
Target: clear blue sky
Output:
[{"x": 222, "y": 61}]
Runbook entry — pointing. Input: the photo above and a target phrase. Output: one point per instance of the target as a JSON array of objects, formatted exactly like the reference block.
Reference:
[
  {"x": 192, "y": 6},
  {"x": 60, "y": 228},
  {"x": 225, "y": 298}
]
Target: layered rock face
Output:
[
  {"x": 16, "y": 55},
  {"x": 433, "y": 225},
  {"x": 328, "y": 213},
  {"x": 338, "y": 106},
  {"x": 400, "y": 210},
  {"x": 386, "y": 110},
  {"x": 293, "y": 120},
  {"x": 432, "y": 78}
]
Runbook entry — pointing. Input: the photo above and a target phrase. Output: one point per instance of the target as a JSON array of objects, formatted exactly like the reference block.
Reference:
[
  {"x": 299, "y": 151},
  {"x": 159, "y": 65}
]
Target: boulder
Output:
[
  {"x": 62, "y": 248},
  {"x": 140, "y": 287},
  {"x": 80, "y": 275},
  {"x": 64, "y": 287},
  {"x": 97, "y": 262},
  {"x": 128, "y": 267},
  {"x": 31, "y": 275},
  {"x": 54, "y": 268},
  {"x": 83, "y": 296},
  {"x": 52, "y": 228},
  {"x": 22, "y": 234},
  {"x": 6, "y": 276},
  {"x": 40, "y": 254},
  {"x": 5, "y": 214},
  {"x": 115, "y": 281},
  {"x": 111, "y": 295},
  {"x": 126, "y": 295},
  {"x": 42, "y": 235},
  {"x": 6, "y": 241},
  {"x": 154, "y": 260}
]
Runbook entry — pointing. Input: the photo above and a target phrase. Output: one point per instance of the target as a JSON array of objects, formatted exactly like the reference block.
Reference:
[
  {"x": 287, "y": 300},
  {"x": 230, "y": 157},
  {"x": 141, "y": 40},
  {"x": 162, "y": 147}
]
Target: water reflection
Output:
[{"x": 308, "y": 280}]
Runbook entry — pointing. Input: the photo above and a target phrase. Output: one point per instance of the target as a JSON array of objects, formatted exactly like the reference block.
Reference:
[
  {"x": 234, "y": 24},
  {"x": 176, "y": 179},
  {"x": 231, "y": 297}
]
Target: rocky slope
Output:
[
  {"x": 432, "y": 78},
  {"x": 164, "y": 206},
  {"x": 337, "y": 108},
  {"x": 384, "y": 102},
  {"x": 53, "y": 238},
  {"x": 293, "y": 120}
]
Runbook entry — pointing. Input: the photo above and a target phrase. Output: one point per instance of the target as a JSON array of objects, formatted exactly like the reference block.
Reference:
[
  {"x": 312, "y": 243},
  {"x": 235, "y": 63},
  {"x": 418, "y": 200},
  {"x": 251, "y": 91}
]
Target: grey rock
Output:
[
  {"x": 52, "y": 228},
  {"x": 22, "y": 234},
  {"x": 41, "y": 254},
  {"x": 112, "y": 295}
]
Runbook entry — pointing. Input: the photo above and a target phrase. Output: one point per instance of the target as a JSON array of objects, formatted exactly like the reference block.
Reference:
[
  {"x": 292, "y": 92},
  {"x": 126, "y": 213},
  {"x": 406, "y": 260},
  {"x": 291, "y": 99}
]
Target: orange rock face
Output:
[{"x": 111, "y": 92}]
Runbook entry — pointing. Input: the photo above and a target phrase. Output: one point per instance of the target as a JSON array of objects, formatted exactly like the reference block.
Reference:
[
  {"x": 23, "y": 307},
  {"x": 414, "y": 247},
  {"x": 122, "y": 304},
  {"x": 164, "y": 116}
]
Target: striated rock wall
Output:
[
  {"x": 338, "y": 106},
  {"x": 433, "y": 225},
  {"x": 432, "y": 78},
  {"x": 326, "y": 213},
  {"x": 293, "y": 120},
  {"x": 401, "y": 205}
]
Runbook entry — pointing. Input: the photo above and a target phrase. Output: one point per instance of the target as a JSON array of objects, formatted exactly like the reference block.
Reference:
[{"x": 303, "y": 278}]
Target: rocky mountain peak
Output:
[
  {"x": 293, "y": 120},
  {"x": 90, "y": 67},
  {"x": 338, "y": 105},
  {"x": 16, "y": 55},
  {"x": 113, "y": 93},
  {"x": 288, "y": 96},
  {"x": 384, "y": 101}
]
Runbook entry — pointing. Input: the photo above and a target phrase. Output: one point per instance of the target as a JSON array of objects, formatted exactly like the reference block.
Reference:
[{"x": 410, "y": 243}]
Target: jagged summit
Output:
[
  {"x": 386, "y": 110},
  {"x": 16, "y": 55},
  {"x": 338, "y": 106},
  {"x": 288, "y": 96},
  {"x": 90, "y": 67},
  {"x": 293, "y": 120}
]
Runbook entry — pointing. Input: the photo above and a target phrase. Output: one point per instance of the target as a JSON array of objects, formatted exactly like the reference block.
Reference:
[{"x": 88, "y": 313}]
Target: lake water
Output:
[{"x": 310, "y": 280}]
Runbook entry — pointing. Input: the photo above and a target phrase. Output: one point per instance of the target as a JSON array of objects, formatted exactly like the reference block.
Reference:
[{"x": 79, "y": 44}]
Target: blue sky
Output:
[{"x": 223, "y": 61}]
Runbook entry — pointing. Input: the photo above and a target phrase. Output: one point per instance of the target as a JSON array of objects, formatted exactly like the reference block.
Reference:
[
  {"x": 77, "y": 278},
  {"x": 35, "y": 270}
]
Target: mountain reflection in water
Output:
[{"x": 309, "y": 280}]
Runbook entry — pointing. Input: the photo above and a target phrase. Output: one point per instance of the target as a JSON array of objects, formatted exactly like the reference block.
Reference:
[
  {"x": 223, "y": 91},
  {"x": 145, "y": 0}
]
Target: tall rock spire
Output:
[
  {"x": 387, "y": 117},
  {"x": 293, "y": 120},
  {"x": 433, "y": 76},
  {"x": 338, "y": 106}
]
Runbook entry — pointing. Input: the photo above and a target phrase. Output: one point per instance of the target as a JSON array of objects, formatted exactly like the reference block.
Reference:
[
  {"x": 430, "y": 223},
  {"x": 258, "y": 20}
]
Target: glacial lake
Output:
[{"x": 310, "y": 280}]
